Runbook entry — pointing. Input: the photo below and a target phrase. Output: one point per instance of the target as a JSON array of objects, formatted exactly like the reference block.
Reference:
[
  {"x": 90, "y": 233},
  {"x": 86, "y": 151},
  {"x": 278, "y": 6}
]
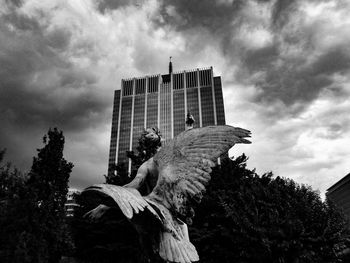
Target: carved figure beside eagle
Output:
[{"x": 175, "y": 178}]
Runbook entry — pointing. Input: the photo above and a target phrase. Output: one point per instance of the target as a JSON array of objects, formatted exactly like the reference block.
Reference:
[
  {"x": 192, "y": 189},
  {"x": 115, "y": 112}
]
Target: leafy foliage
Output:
[
  {"x": 33, "y": 217},
  {"x": 13, "y": 213},
  {"x": 120, "y": 178},
  {"x": 48, "y": 183},
  {"x": 249, "y": 218}
]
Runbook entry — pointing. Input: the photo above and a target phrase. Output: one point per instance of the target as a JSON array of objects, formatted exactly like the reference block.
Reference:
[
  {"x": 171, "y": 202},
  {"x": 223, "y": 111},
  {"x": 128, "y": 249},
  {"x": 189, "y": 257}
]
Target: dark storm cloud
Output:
[
  {"x": 294, "y": 79},
  {"x": 16, "y": 3},
  {"x": 260, "y": 59},
  {"x": 37, "y": 80},
  {"x": 199, "y": 13},
  {"x": 218, "y": 16},
  {"x": 336, "y": 60},
  {"x": 281, "y": 11},
  {"x": 105, "y": 5},
  {"x": 58, "y": 39},
  {"x": 39, "y": 86},
  {"x": 334, "y": 131},
  {"x": 289, "y": 79}
]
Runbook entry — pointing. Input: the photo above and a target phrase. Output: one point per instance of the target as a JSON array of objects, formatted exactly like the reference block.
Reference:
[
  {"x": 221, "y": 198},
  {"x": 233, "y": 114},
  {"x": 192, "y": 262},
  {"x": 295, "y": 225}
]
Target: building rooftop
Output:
[
  {"x": 338, "y": 184},
  {"x": 166, "y": 77}
]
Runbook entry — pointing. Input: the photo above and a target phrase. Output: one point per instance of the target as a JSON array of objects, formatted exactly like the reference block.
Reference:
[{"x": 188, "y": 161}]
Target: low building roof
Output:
[{"x": 338, "y": 184}]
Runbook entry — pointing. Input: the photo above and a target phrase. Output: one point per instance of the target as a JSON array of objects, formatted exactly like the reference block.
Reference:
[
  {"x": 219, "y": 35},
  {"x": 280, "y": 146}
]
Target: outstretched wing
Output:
[
  {"x": 128, "y": 200},
  {"x": 185, "y": 164}
]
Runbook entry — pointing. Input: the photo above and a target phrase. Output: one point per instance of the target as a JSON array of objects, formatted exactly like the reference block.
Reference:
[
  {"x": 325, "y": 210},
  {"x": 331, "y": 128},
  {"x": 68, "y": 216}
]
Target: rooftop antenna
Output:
[{"x": 170, "y": 66}]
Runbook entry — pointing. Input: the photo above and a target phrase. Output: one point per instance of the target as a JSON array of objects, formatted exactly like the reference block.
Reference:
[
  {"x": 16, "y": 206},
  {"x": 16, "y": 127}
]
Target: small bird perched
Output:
[
  {"x": 189, "y": 121},
  {"x": 176, "y": 178}
]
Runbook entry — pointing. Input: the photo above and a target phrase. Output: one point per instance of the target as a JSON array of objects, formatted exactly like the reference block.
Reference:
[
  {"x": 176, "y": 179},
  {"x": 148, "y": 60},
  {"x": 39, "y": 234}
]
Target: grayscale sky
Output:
[{"x": 284, "y": 66}]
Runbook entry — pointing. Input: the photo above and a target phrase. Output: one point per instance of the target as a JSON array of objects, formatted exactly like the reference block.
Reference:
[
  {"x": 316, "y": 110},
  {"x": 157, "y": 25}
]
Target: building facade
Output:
[
  {"x": 339, "y": 193},
  {"x": 71, "y": 204},
  {"x": 163, "y": 101}
]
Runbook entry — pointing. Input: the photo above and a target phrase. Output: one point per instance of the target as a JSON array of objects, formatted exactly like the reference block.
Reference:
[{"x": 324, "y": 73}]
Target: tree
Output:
[
  {"x": 249, "y": 218},
  {"x": 48, "y": 187},
  {"x": 121, "y": 176},
  {"x": 13, "y": 213},
  {"x": 32, "y": 221}
]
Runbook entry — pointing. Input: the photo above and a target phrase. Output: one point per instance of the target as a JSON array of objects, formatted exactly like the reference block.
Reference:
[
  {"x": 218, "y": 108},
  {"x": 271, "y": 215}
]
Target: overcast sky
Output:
[{"x": 284, "y": 66}]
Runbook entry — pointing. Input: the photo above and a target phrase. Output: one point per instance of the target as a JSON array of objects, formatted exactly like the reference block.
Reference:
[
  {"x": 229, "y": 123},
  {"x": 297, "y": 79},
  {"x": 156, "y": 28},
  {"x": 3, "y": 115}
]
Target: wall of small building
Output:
[{"x": 339, "y": 194}]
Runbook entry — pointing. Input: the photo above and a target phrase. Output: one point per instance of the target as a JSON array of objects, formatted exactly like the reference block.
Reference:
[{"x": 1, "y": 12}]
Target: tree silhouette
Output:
[
  {"x": 245, "y": 217},
  {"x": 32, "y": 215},
  {"x": 48, "y": 186},
  {"x": 13, "y": 214}
]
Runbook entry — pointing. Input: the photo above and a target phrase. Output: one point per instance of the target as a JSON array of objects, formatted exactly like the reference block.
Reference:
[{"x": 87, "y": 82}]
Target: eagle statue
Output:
[{"x": 172, "y": 181}]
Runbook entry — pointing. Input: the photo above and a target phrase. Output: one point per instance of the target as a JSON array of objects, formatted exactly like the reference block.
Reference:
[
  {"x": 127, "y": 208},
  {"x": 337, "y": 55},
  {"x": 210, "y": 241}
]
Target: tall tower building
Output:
[{"x": 163, "y": 101}]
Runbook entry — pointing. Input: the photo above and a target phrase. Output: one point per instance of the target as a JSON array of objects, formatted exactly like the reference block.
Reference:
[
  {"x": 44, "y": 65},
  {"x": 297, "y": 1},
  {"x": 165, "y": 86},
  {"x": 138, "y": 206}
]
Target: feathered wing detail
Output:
[
  {"x": 184, "y": 166},
  {"x": 128, "y": 200},
  {"x": 176, "y": 250},
  {"x": 174, "y": 244}
]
